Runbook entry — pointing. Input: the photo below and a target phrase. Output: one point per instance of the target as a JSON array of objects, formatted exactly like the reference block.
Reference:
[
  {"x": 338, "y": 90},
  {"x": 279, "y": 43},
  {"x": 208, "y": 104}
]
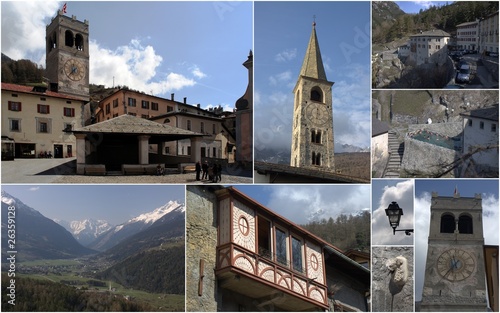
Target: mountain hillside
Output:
[
  {"x": 38, "y": 237},
  {"x": 133, "y": 226},
  {"x": 385, "y": 11},
  {"x": 86, "y": 231}
]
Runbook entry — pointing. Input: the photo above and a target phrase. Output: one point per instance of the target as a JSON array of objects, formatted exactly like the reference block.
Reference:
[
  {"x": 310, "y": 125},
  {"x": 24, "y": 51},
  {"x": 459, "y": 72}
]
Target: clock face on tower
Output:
[
  {"x": 317, "y": 114},
  {"x": 455, "y": 264},
  {"x": 74, "y": 69}
]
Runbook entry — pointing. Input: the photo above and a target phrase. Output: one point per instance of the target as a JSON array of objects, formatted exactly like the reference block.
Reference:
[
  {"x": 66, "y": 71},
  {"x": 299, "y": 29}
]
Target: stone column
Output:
[
  {"x": 143, "y": 149},
  {"x": 195, "y": 149},
  {"x": 161, "y": 148},
  {"x": 80, "y": 153}
]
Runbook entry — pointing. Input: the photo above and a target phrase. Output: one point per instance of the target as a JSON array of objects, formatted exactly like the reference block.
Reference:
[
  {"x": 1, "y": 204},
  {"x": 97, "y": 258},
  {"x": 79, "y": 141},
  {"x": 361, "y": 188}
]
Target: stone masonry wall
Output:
[
  {"x": 389, "y": 293},
  {"x": 201, "y": 237}
]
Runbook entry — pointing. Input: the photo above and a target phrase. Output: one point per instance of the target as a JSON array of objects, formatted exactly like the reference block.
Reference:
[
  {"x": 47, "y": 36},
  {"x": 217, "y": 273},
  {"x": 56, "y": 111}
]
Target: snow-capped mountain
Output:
[
  {"x": 137, "y": 224},
  {"x": 38, "y": 237},
  {"x": 87, "y": 230}
]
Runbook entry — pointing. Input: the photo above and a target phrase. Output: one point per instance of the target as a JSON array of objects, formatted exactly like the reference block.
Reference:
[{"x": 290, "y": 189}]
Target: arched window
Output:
[
  {"x": 318, "y": 137},
  {"x": 465, "y": 224},
  {"x": 188, "y": 124},
  {"x": 79, "y": 42},
  {"x": 318, "y": 159},
  {"x": 313, "y": 135},
  {"x": 447, "y": 223},
  {"x": 313, "y": 158},
  {"x": 68, "y": 39},
  {"x": 166, "y": 121},
  {"x": 316, "y": 94}
]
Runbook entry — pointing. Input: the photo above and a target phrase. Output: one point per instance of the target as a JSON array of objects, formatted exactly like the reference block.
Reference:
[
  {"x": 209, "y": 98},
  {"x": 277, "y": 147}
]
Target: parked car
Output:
[{"x": 463, "y": 75}]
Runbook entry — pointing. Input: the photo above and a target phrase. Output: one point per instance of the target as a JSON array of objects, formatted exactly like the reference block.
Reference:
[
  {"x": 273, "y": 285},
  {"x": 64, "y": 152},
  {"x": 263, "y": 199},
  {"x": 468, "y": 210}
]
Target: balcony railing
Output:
[{"x": 270, "y": 270}]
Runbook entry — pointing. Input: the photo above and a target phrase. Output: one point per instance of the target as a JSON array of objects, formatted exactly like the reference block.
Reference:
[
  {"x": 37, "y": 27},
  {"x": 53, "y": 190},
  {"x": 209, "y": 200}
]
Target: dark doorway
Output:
[{"x": 58, "y": 151}]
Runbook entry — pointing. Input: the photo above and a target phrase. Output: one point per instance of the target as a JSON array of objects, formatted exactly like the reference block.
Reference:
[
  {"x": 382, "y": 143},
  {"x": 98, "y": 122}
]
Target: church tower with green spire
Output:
[{"x": 312, "y": 129}]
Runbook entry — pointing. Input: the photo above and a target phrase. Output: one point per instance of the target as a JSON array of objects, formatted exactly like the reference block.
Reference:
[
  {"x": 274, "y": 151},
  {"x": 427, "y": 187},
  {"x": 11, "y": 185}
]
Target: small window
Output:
[
  {"x": 115, "y": 115},
  {"x": 15, "y": 106},
  {"x": 154, "y": 106},
  {"x": 108, "y": 108},
  {"x": 144, "y": 116},
  {"x": 213, "y": 129},
  {"x": 469, "y": 123},
  {"x": 281, "y": 254},
  {"x": 43, "y": 108},
  {"x": 170, "y": 108},
  {"x": 202, "y": 127},
  {"x": 43, "y": 127},
  {"x": 481, "y": 125},
  {"x": 297, "y": 254},
  {"x": 167, "y": 150},
  {"x": 189, "y": 150},
  {"x": 145, "y": 104},
  {"x": 133, "y": 114},
  {"x": 68, "y": 127},
  {"x": 131, "y": 102},
  {"x": 115, "y": 103},
  {"x": 493, "y": 127},
  {"x": 15, "y": 125},
  {"x": 188, "y": 124},
  {"x": 214, "y": 151},
  {"x": 70, "y": 112}
]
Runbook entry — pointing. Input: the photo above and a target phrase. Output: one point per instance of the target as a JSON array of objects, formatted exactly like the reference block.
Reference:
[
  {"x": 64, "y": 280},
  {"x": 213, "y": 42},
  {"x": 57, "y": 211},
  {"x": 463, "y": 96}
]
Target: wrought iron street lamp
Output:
[{"x": 394, "y": 213}]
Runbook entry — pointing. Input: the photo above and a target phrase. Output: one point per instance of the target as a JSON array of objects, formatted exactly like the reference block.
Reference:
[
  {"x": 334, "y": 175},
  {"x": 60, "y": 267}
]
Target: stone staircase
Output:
[{"x": 396, "y": 150}]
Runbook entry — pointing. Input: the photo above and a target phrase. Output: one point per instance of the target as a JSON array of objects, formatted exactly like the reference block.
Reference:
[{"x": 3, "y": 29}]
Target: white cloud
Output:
[
  {"x": 286, "y": 55},
  {"x": 424, "y": 4},
  {"x": 280, "y": 78},
  {"x": 302, "y": 204},
  {"x": 133, "y": 66},
  {"x": 196, "y": 71},
  {"x": 382, "y": 234},
  {"x": 23, "y": 28},
  {"x": 34, "y": 188}
]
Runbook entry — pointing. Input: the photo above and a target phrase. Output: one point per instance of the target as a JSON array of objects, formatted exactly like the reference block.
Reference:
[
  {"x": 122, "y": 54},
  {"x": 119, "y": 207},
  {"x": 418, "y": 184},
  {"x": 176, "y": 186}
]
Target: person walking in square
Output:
[{"x": 198, "y": 170}]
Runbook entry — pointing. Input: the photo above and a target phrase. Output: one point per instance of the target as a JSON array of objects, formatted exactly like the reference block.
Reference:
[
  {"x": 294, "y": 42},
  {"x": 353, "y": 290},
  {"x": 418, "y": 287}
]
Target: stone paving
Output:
[{"x": 60, "y": 171}]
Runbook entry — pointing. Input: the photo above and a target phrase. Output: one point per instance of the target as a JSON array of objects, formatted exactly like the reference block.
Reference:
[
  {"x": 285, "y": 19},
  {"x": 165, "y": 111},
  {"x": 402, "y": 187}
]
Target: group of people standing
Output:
[{"x": 211, "y": 172}]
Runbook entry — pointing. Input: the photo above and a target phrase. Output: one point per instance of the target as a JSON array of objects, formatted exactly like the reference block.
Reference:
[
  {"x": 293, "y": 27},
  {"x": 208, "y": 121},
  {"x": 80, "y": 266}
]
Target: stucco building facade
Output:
[{"x": 429, "y": 47}]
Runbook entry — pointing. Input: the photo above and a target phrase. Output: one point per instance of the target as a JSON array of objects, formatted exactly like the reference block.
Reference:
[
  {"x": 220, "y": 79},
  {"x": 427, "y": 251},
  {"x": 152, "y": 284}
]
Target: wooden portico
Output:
[{"x": 125, "y": 140}]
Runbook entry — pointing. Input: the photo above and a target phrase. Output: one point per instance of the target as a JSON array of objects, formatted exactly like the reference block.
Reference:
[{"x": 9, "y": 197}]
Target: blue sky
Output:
[
  {"x": 282, "y": 31},
  {"x": 384, "y": 191},
  {"x": 113, "y": 203},
  {"x": 192, "y": 49},
  {"x": 416, "y": 6},
  {"x": 305, "y": 203},
  {"x": 445, "y": 187}
]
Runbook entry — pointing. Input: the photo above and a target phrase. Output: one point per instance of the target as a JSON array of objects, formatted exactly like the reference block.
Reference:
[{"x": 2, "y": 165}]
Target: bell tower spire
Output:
[
  {"x": 312, "y": 66},
  {"x": 312, "y": 129}
]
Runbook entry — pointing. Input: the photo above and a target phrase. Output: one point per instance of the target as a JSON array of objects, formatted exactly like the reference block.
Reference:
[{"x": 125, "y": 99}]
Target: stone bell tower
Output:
[
  {"x": 455, "y": 271},
  {"x": 312, "y": 129},
  {"x": 67, "y": 55}
]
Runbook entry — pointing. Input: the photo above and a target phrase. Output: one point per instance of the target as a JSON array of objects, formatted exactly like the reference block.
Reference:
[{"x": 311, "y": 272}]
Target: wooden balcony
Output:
[{"x": 268, "y": 282}]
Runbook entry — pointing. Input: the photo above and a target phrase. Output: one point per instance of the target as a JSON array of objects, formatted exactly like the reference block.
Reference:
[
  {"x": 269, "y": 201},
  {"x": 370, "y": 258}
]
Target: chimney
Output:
[
  {"x": 185, "y": 100},
  {"x": 172, "y": 96},
  {"x": 198, "y": 105}
]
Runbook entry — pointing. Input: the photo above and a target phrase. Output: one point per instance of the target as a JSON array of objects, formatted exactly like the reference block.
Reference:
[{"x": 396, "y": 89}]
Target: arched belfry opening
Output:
[
  {"x": 79, "y": 42},
  {"x": 465, "y": 224},
  {"x": 68, "y": 38},
  {"x": 316, "y": 94},
  {"x": 447, "y": 223}
]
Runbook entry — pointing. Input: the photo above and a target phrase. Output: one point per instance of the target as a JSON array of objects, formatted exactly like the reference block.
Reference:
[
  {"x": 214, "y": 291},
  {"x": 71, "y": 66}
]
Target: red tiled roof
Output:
[{"x": 29, "y": 89}]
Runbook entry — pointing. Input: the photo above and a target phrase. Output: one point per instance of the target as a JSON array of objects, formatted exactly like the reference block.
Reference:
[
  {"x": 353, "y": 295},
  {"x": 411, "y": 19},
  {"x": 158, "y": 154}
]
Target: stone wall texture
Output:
[
  {"x": 386, "y": 296},
  {"x": 201, "y": 242}
]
